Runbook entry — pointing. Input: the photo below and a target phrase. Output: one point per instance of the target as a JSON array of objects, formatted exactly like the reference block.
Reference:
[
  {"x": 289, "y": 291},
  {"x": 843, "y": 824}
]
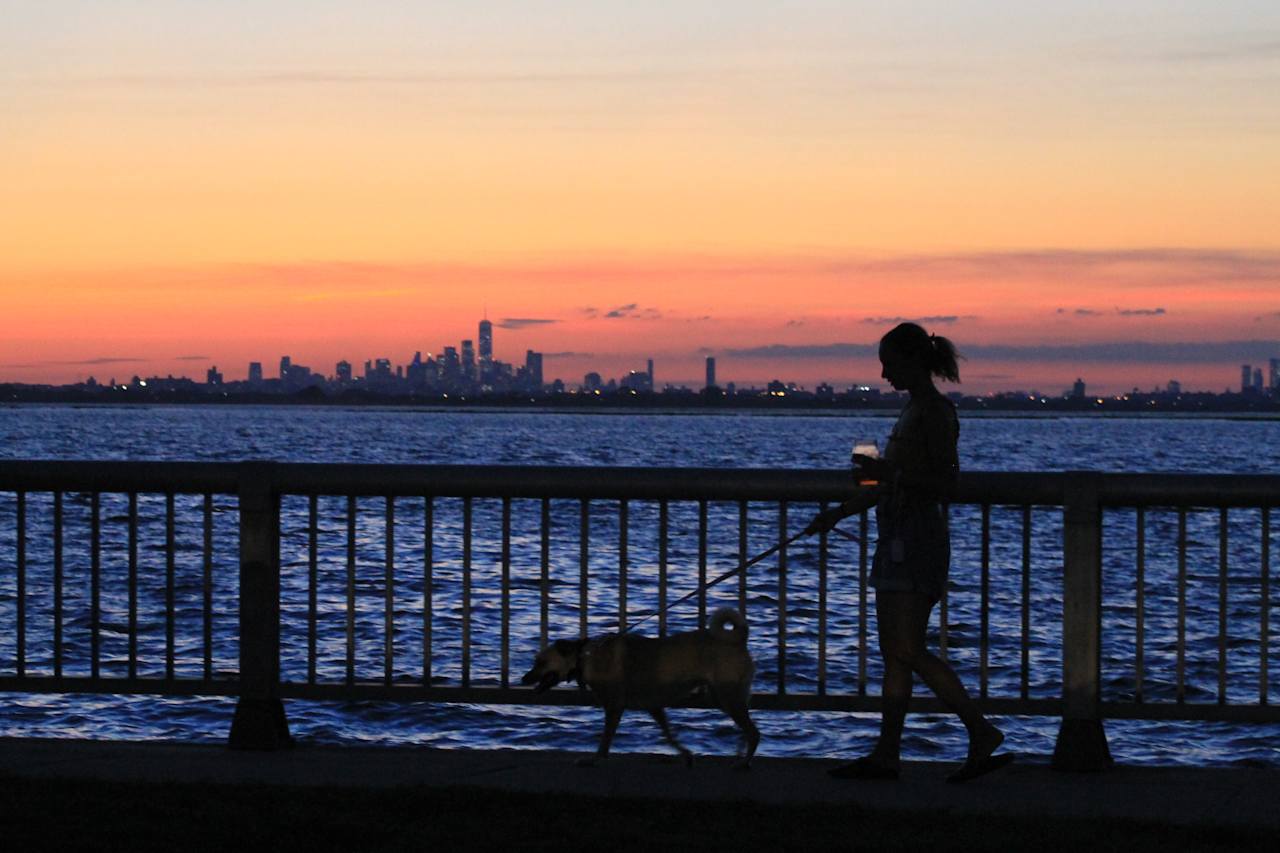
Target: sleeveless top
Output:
[{"x": 913, "y": 548}]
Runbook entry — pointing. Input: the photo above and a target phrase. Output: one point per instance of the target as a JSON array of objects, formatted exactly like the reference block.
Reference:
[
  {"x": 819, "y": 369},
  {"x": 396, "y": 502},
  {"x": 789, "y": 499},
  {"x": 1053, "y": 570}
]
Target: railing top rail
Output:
[{"x": 639, "y": 483}]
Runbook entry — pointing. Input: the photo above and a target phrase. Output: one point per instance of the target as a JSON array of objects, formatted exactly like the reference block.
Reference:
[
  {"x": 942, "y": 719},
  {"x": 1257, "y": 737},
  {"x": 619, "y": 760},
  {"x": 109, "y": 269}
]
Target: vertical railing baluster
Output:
[
  {"x": 1222, "y": 606},
  {"x": 133, "y": 585},
  {"x": 584, "y": 564},
  {"x": 1024, "y": 676},
  {"x": 544, "y": 574},
  {"x": 313, "y": 584},
  {"x": 742, "y": 557},
  {"x": 944, "y": 604},
  {"x": 505, "y": 640},
  {"x": 169, "y": 583},
  {"x": 782, "y": 597},
  {"x": 822, "y": 608},
  {"x": 622, "y": 566},
  {"x": 22, "y": 583},
  {"x": 21, "y": 556},
  {"x": 1264, "y": 627},
  {"x": 57, "y": 584},
  {"x": 702, "y": 564},
  {"x": 1181, "y": 664},
  {"x": 95, "y": 585},
  {"x": 206, "y": 581},
  {"x": 1140, "y": 608},
  {"x": 259, "y": 721},
  {"x": 984, "y": 618},
  {"x": 389, "y": 591},
  {"x": 862, "y": 603},
  {"x": 351, "y": 589},
  {"x": 663, "y": 535},
  {"x": 428, "y": 583},
  {"x": 466, "y": 591},
  {"x": 1082, "y": 740}
]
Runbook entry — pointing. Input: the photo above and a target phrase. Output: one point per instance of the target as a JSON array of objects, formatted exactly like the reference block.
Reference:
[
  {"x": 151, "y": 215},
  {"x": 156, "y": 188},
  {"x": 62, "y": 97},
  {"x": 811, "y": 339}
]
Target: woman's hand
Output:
[
  {"x": 872, "y": 468},
  {"x": 824, "y": 521}
]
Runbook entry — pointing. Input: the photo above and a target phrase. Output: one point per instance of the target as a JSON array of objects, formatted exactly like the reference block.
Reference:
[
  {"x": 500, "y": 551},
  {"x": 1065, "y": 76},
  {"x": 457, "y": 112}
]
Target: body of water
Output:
[{"x": 793, "y": 440}]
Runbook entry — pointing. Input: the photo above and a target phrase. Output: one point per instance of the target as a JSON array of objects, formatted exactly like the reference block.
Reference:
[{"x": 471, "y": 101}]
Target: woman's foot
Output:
[
  {"x": 982, "y": 758},
  {"x": 863, "y": 768}
]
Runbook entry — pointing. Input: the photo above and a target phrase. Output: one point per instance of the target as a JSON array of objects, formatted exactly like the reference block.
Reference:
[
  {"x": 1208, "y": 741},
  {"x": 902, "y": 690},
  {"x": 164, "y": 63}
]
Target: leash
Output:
[{"x": 741, "y": 567}]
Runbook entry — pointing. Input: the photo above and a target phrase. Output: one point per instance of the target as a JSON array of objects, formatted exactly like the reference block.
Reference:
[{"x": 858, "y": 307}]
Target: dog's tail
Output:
[{"x": 728, "y": 616}]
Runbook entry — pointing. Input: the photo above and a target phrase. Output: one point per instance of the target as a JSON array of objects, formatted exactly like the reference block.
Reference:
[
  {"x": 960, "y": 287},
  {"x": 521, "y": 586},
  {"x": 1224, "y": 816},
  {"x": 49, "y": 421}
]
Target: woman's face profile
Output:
[{"x": 899, "y": 371}]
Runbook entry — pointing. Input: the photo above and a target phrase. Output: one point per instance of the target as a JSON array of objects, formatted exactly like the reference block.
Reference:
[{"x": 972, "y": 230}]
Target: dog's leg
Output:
[
  {"x": 660, "y": 717},
  {"x": 612, "y": 716},
  {"x": 737, "y": 710}
]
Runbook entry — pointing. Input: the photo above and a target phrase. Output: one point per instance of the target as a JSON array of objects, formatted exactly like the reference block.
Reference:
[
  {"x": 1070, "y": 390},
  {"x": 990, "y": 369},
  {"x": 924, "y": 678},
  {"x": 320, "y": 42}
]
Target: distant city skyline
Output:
[{"x": 458, "y": 366}]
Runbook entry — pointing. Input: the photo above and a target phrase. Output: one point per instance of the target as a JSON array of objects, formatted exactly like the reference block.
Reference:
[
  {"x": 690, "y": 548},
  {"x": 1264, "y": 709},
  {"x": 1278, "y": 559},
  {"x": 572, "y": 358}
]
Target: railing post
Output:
[
  {"x": 259, "y": 721},
  {"x": 1082, "y": 743}
]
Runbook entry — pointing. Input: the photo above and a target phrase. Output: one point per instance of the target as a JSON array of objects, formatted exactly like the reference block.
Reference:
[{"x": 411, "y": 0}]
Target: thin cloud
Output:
[
  {"x": 1225, "y": 52},
  {"x": 568, "y": 354},
  {"x": 522, "y": 322},
  {"x": 1080, "y": 312},
  {"x": 942, "y": 319},
  {"x": 632, "y": 311},
  {"x": 341, "y": 77},
  {"x": 192, "y": 357},
  {"x": 1206, "y": 352},
  {"x": 1141, "y": 312},
  {"x": 806, "y": 351},
  {"x": 87, "y": 362}
]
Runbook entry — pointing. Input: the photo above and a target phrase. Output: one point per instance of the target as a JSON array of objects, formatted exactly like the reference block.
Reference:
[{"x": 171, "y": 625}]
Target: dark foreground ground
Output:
[{"x": 140, "y": 797}]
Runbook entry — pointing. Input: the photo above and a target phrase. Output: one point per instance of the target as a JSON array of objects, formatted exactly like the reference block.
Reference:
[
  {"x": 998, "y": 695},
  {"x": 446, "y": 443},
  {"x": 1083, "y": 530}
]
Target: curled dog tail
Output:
[{"x": 728, "y": 616}]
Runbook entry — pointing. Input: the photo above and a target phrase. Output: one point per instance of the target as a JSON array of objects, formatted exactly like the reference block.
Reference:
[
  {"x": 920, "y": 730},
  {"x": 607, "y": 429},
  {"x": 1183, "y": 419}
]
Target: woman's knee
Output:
[{"x": 901, "y": 652}]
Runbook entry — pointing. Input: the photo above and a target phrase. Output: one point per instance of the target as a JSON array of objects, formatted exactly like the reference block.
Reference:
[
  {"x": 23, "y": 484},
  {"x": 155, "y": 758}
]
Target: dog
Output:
[{"x": 652, "y": 674}]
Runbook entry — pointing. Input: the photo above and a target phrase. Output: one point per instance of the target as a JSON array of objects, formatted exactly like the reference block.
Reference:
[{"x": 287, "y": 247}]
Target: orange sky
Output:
[{"x": 183, "y": 182}]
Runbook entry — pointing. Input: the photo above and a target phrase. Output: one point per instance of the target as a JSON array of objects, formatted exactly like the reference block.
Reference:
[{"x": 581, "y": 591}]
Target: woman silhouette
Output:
[{"x": 913, "y": 551}]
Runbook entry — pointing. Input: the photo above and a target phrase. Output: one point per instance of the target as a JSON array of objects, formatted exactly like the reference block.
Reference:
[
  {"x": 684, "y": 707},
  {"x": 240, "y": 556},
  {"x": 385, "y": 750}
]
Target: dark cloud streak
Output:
[
  {"x": 1206, "y": 352},
  {"x": 522, "y": 322}
]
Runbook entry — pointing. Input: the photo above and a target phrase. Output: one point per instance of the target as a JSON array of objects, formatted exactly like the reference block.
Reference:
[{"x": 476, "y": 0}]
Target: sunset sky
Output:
[{"x": 1075, "y": 189}]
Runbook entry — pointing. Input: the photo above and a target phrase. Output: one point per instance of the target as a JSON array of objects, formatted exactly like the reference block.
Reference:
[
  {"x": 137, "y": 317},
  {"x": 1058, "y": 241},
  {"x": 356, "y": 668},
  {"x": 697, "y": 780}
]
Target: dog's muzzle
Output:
[{"x": 544, "y": 683}]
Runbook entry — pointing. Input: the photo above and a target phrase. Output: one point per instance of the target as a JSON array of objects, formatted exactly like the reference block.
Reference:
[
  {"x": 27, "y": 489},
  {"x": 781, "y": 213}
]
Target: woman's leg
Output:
[{"x": 903, "y": 619}]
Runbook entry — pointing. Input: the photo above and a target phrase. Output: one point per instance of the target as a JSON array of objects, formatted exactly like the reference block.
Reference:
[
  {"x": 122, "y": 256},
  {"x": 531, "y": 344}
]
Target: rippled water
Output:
[{"x": 541, "y": 438}]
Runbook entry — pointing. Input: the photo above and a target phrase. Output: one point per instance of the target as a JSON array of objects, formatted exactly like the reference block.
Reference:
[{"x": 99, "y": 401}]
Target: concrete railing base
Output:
[
  {"x": 1082, "y": 747},
  {"x": 260, "y": 724}
]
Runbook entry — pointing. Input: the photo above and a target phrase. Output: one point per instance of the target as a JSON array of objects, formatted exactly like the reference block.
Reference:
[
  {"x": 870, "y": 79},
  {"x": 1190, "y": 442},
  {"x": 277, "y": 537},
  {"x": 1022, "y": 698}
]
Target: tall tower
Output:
[
  {"x": 486, "y": 343},
  {"x": 468, "y": 360},
  {"x": 711, "y": 371},
  {"x": 1246, "y": 378},
  {"x": 652, "y": 384},
  {"x": 1274, "y": 379}
]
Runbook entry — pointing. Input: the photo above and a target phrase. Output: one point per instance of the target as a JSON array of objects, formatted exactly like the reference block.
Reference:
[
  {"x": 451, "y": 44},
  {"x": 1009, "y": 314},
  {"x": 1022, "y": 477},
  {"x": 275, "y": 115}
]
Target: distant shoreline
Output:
[{"x": 547, "y": 407}]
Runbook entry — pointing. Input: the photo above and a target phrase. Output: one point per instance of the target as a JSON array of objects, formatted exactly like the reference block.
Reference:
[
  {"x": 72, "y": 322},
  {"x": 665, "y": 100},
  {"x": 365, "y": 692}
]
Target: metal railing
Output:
[{"x": 450, "y": 584}]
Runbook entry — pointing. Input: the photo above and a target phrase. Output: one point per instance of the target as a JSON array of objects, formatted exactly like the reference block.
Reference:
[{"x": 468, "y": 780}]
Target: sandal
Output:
[{"x": 981, "y": 767}]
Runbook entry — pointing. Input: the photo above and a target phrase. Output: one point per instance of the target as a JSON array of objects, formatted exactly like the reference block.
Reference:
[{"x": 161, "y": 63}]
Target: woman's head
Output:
[{"x": 908, "y": 353}]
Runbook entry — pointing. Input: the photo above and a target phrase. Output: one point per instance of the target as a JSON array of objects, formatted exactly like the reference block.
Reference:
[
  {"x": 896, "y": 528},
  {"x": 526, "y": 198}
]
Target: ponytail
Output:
[
  {"x": 943, "y": 362},
  {"x": 937, "y": 352}
]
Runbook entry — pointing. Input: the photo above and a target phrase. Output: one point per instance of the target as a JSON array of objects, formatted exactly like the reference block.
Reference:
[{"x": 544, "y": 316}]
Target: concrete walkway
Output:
[{"x": 1226, "y": 796}]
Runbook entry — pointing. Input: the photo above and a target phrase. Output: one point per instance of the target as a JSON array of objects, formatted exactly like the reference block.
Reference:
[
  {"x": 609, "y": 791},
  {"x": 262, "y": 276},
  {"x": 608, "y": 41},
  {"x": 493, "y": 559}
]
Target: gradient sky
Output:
[{"x": 1075, "y": 190}]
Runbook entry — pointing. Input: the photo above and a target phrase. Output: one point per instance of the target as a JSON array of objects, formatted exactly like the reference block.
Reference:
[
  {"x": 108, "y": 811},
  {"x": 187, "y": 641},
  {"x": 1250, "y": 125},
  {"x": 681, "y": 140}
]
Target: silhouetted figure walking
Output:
[{"x": 913, "y": 551}]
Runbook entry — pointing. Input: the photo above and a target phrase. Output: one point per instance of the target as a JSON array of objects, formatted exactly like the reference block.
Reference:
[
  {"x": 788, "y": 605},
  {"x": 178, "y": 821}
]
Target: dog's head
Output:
[{"x": 560, "y": 661}]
